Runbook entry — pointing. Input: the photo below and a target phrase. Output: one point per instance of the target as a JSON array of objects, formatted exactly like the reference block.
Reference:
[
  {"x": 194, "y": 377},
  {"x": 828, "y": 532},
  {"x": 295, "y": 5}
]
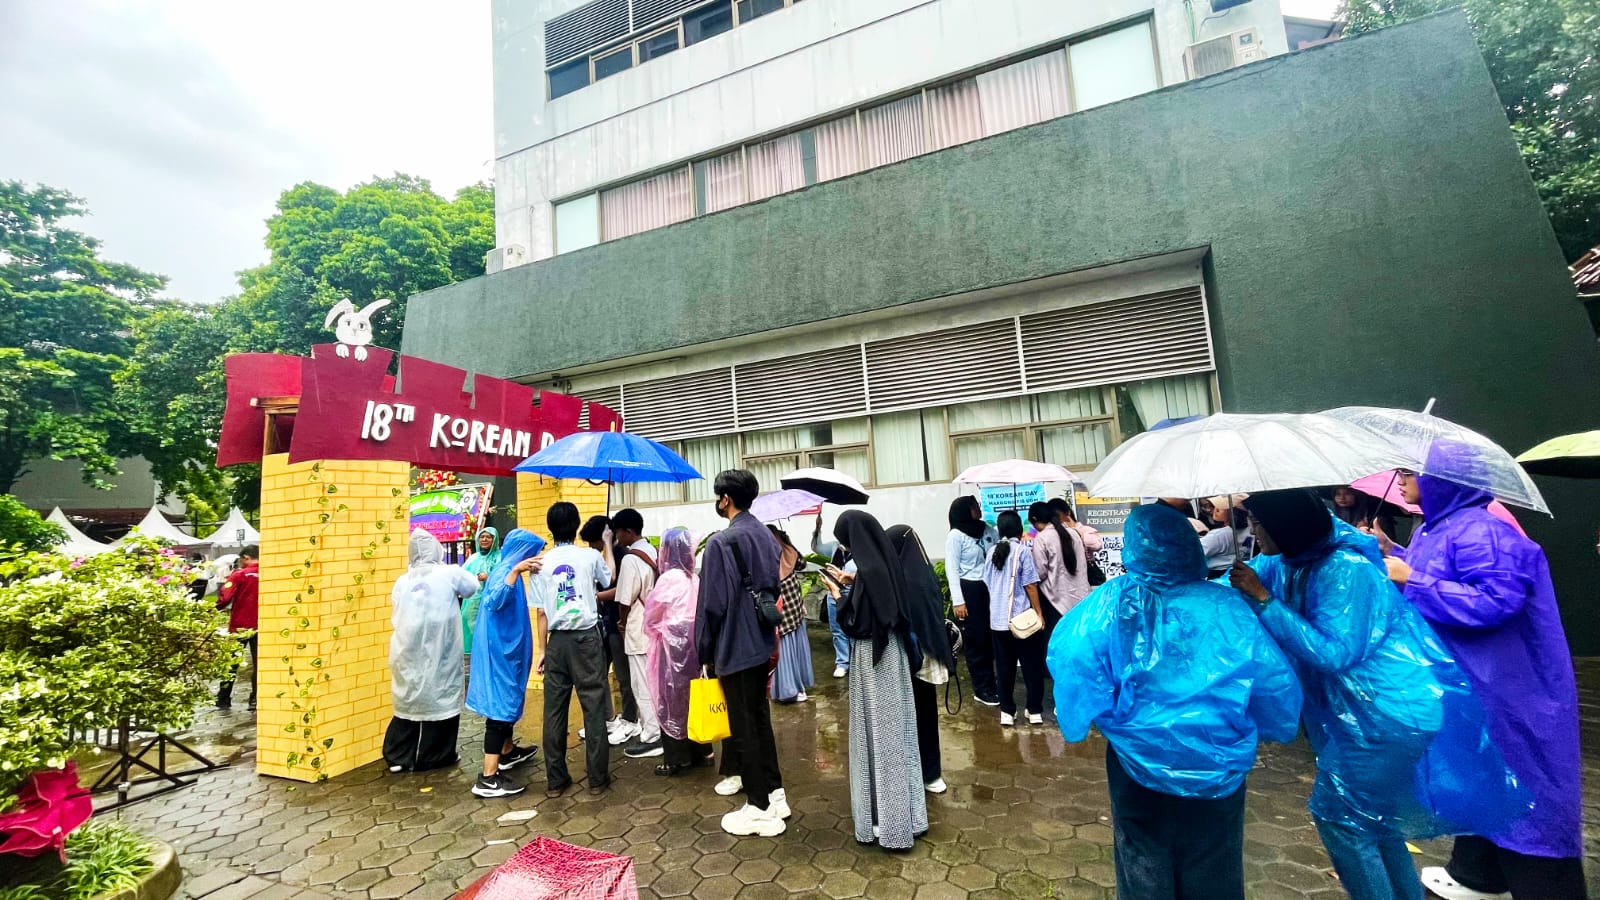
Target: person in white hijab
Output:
[{"x": 425, "y": 661}]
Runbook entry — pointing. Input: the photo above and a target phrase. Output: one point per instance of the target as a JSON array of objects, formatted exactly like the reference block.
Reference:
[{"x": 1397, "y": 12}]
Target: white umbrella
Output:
[
  {"x": 1014, "y": 471},
  {"x": 1231, "y": 453},
  {"x": 77, "y": 543},
  {"x": 1443, "y": 449}
]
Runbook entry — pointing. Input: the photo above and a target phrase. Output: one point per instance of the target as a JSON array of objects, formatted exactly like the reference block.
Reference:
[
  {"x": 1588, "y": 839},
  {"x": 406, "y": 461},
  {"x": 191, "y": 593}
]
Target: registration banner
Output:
[
  {"x": 451, "y": 514},
  {"x": 1106, "y": 515}
]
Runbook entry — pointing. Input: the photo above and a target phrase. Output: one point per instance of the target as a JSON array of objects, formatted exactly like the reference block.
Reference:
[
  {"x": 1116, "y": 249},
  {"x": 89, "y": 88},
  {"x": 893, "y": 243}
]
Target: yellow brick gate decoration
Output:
[
  {"x": 534, "y": 496},
  {"x": 333, "y": 541}
]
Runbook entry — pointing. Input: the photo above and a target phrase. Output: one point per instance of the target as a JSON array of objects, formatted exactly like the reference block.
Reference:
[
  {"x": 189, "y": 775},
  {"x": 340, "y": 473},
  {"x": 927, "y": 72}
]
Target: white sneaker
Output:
[
  {"x": 778, "y": 804},
  {"x": 582, "y": 735},
  {"x": 1437, "y": 880},
  {"x": 937, "y": 786},
  {"x": 840, "y": 671},
  {"x": 801, "y": 697},
  {"x": 729, "y": 786},
  {"x": 747, "y": 820},
  {"x": 613, "y": 723},
  {"x": 624, "y": 733},
  {"x": 1007, "y": 719},
  {"x": 1035, "y": 718}
]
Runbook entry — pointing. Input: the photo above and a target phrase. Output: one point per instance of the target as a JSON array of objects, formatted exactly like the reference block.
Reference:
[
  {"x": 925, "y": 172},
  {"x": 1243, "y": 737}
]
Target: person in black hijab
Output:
[
  {"x": 932, "y": 660},
  {"x": 885, "y": 762}
]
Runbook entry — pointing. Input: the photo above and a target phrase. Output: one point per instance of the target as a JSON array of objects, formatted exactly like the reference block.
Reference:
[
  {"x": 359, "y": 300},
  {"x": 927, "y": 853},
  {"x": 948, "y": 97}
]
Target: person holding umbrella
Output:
[{"x": 1486, "y": 590}]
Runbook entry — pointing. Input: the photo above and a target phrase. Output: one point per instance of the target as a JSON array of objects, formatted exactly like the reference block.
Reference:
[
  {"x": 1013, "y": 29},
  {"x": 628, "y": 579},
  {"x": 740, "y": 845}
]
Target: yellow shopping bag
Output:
[{"x": 708, "y": 711}]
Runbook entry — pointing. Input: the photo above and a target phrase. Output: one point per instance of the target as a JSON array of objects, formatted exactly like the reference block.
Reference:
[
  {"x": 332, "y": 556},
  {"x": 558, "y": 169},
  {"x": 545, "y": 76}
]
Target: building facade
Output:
[
  {"x": 1348, "y": 224},
  {"x": 619, "y": 116}
]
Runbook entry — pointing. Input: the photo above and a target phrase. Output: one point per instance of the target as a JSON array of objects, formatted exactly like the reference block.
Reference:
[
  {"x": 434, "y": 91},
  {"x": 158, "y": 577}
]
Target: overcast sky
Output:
[{"x": 180, "y": 121}]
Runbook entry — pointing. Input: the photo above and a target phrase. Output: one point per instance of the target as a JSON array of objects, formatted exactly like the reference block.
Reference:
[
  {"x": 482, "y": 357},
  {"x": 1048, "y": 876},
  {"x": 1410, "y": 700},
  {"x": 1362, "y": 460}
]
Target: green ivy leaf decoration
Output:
[
  {"x": 304, "y": 623},
  {"x": 290, "y": 728},
  {"x": 284, "y": 633},
  {"x": 335, "y": 632},
  {"x": 297, "y": 573},
  {"x": 292, "y": 759},
  {"x": 316, "y": 663},
  {"x": 327, "y": 744},
  {"x": 298, "y": 647},
  {"x": 322, "y": 501},
  {"x": 394, "y": 492},
  {"x": 312, "y": 540},
  {"x": 358, "y": 576},
  {"x": 340, "y": 508},
  {"x": 294, "y": 610},
  {"x": 324, "y": 517},
  {"x": 386, "y": 539},
  {"x": 333, "y": 489}
]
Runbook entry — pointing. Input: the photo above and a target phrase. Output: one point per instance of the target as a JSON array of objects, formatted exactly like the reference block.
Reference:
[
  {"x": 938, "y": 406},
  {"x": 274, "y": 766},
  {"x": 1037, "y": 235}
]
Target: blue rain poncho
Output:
[
  {"x": 1401, "y": 743},
  {"x": 1175, "y": 671},
  {"x": 502, "y": 638}
]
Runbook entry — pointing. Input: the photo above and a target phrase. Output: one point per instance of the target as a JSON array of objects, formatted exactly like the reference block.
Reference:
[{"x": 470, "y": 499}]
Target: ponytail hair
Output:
[
  {"x": 1010, "y": 527},
  {"x": 1042, "y": 514}
]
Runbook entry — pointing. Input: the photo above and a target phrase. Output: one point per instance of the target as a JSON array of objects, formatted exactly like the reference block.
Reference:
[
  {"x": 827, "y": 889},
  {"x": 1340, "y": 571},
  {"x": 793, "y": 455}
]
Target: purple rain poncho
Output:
[
  {"x": 669, "y": 612},
  {"x": 1486, "y": 591}
]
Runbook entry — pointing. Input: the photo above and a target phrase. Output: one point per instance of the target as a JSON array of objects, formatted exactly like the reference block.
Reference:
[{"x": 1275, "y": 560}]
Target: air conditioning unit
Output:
[
  {"x": 1219, "y": 54},
  {"x": 501, "y": 258}
]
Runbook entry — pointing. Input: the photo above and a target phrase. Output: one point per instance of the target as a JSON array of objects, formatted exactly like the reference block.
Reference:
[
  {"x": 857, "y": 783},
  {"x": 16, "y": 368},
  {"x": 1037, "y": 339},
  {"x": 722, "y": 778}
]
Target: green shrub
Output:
[
  {"x": 85, "y": 644},
  {"x": 102, "y": 856},
  {"x": 22, "y": 528},
  {"x": 944, "y": 587}
]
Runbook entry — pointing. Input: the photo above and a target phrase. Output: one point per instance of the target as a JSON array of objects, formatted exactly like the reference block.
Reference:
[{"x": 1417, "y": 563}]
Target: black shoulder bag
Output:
[{"x": 766, "y": 601}]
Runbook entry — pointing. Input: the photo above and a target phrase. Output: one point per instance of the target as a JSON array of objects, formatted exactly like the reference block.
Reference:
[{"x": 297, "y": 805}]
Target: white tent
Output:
[
  {"x": 77, "y": 543},
  {"x": 234, "y": 532},
  {"x": 155, "y": 525}
]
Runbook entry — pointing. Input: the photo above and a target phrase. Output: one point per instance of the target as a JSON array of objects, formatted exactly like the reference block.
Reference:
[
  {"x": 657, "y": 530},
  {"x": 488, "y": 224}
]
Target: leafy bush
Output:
[
  {"x": 102, "y": 856},
  {"x": 85, "y": 644},
  {"x": 944, "y": 586},
  {"x": 22, "y": 528}
]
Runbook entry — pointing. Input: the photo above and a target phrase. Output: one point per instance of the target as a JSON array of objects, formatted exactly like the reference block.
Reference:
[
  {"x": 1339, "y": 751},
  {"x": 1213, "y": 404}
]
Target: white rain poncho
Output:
[{"x": 425, "y": 652}]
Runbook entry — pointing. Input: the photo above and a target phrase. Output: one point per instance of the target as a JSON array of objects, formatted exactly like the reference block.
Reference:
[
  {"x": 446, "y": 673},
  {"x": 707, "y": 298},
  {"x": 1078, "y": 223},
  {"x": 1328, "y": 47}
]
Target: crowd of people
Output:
[{"x": 1432, "y": 681}]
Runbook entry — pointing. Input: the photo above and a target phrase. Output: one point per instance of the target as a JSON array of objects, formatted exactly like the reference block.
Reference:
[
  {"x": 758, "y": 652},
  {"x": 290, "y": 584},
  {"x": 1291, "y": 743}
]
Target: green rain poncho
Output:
[{"x": 479, "y": 563}]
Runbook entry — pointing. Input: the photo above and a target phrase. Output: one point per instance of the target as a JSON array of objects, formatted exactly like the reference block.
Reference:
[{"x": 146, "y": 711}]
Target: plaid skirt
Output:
[{"x": 790, "y": 604}]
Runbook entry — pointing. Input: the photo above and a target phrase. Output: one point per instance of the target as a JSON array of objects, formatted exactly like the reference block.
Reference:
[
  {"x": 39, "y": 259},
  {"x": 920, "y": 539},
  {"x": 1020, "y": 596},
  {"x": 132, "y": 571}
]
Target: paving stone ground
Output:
[{"x": 1026, "y": 816}]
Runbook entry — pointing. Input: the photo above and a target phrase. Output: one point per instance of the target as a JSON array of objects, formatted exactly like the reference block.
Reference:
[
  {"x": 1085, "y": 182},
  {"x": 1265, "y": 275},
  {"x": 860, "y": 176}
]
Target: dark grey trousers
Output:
[{"x": 575, "y": 660}]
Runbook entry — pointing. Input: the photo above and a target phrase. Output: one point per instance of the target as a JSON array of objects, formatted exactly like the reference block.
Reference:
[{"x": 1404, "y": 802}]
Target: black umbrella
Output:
[{"x": 829, "y": 484}]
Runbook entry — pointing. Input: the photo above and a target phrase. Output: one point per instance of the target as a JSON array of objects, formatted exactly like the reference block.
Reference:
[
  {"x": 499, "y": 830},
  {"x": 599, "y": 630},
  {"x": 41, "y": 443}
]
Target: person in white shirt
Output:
[
  {"x": 570, "y": 578},
  {"x": 636, "y": 576}
]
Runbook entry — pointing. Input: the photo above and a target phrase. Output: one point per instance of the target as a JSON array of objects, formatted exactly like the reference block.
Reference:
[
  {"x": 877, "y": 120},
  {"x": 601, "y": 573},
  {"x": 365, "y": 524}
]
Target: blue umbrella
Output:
[
  {"x": 1168, "y": 423},
  {"x": 616, "y": 457}
]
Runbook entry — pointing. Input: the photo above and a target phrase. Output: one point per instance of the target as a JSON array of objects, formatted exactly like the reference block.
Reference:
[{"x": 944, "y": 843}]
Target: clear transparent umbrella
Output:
[
  {"x": 1233, "y": 453},
  {"x": 1443, "y": 449}
]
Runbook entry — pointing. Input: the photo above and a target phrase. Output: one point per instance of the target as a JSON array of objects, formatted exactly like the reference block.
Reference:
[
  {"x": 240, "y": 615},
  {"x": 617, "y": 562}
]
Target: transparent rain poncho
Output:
[
  {"x": 669, "y": 612},
  {"x": 1175, "y": 671},
  {"x": 1401, "y": 742},
  {"x": 426, "y": 674}
]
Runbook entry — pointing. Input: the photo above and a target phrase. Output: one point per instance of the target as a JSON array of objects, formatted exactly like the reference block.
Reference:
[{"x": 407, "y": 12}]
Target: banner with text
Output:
[
  {"x": 997, "y": 499},
  {"x": 453, "y": 513}
]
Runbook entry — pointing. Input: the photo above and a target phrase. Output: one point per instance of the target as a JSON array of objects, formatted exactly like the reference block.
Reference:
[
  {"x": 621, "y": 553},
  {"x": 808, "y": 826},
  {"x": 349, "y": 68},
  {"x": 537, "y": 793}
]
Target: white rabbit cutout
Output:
[{"x": 355, "y": 326}]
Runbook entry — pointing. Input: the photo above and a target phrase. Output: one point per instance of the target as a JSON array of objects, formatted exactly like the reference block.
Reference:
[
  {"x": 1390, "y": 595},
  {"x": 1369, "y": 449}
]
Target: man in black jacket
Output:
[{"x": 728, "y": 634}]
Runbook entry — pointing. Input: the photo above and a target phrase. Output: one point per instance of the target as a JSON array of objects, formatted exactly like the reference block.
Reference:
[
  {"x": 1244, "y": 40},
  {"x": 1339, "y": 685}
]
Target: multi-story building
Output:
[{"x": 899, "y": 237}]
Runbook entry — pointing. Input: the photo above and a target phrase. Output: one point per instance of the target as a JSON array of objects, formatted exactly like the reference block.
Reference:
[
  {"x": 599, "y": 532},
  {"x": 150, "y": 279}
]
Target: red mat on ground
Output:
[{"x": 548, "y": 869}]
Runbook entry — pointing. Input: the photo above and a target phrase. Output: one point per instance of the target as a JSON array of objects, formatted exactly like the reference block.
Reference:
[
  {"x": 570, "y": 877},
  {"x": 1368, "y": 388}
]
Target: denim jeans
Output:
[
  {"x": 1174, "y": 848},
  {"x": 1370, "y": 867},
  {"x": 841, "y": 644}
]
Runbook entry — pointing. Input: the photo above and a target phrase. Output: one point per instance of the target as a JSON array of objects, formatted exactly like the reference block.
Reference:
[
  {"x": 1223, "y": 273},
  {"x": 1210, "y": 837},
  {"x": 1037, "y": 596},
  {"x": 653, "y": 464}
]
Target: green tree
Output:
[
  {"x": 23, "y": 529},
  {"x": 1544, "y": 57},
  {"x": 65, "y": 316}
]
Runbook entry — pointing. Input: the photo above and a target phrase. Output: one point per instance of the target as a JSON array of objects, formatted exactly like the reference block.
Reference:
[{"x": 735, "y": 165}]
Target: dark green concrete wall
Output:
[{"x": 1374, "y": 237}]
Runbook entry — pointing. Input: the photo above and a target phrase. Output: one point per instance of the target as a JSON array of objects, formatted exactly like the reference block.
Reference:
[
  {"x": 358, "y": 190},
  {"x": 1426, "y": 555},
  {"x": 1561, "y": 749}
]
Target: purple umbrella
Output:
[{"x": 784, "y": 504}]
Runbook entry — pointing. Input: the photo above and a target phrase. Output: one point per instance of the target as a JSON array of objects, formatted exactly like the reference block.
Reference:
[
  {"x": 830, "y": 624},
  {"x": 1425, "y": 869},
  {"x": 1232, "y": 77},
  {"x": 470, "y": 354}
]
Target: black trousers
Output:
[
  {"x": 619, "y": 664},
  {"x": 977, "y": 638},
  {"x": 925, "y": 697},
  {"x": 1479, "y": 864},
  {"x": 683, "y": 752},
  {"x": 575, "y": 661},
  {"x": 225, "y": 689},
  {"x": 1174, "y": 848},
  {"x": 751, "y": 753},
  {"x": 495, "y": 735},
  {"x": 420, "y": 746},
  {"x": 1030, "y": 653}
]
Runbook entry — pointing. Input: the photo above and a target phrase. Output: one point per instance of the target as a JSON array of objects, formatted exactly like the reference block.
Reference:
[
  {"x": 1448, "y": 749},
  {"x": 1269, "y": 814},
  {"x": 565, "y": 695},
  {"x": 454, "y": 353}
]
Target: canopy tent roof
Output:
[
  {"x": 77, "y": 543},
  {"x": 155, "y": 525},
  {"x": 234, "y": 531}
]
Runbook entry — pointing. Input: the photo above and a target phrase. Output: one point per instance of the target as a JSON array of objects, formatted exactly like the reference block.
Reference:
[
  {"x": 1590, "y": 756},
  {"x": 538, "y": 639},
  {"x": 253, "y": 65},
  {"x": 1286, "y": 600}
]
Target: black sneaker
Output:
[
  {"x": 987, "y": 699},
  {"x": 517, "y": 756},
  {"x": 496, "y": 785},
  {"x": 640, "y": 749}
]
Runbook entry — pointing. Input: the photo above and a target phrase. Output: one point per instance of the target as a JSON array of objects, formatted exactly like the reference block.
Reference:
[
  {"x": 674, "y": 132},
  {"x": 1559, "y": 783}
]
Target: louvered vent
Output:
[
  {"x": 946, "y": 366},
  {"x": 807, "y": 387},
  {"x": 605, "y": 396},
  {"x": 1149, "y": 336},
  {"x": 683, "y": 406},
  {"x": 649, "y": 12},
  {"x": 586, "y": 28}
]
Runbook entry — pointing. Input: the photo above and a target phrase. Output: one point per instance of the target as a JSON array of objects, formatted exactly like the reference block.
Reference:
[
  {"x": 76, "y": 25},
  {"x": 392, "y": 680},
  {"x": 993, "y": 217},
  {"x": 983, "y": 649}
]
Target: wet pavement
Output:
[{"x": 1026, "y": 816}]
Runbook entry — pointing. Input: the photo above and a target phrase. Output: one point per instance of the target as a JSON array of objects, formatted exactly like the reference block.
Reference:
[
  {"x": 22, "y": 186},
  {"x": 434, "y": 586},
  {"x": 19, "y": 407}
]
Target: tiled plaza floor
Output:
[{"x": 1026, "y": 816}]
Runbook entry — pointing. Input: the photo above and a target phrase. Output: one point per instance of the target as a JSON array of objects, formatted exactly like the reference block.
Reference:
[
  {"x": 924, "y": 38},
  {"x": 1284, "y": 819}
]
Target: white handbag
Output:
[{"x": 1027, "y": 623}]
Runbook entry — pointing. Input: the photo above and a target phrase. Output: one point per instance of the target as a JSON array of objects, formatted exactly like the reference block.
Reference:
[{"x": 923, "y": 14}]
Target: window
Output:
[
  {"x": 752, "y": 9},
  {"x": 1113, "y": 66},
  {"x": 1146, "y": 403},
  {"x": 893, "y": 131},
  {"x": 779, "y": 165},
  {"x": 719, "y": 183},
  {"x": 838, "y": 154},
  {"x": 708, "y": 22},
  {"x": 578, "y": 223},
  {"x": 658, "y": 45},
  {"x": 1024, "y": 93},
  {"x": 614, "y": 62},
  {"x": 841, "y": 444},
  {"x": 568, "y": 78},
  {"x": 643, "y": 205},
  {"x": 709, "y": 456}
]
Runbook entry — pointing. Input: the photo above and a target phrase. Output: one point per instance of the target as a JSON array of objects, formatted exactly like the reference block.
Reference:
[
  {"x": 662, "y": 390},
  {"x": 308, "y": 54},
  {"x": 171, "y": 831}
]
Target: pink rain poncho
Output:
[{"x": 669, "y": 622}]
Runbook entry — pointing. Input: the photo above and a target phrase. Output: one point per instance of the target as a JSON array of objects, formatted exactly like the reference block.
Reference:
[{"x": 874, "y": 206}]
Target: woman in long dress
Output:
[
  {"x": 794, "y": 673},
  {"x": 886, "y": 791},
  {"x": 932, "y": 659},
  {"x": 485, "y": 554},
  {"x": 425, "y": 659},
  {"x": 672, "y": 661}
]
